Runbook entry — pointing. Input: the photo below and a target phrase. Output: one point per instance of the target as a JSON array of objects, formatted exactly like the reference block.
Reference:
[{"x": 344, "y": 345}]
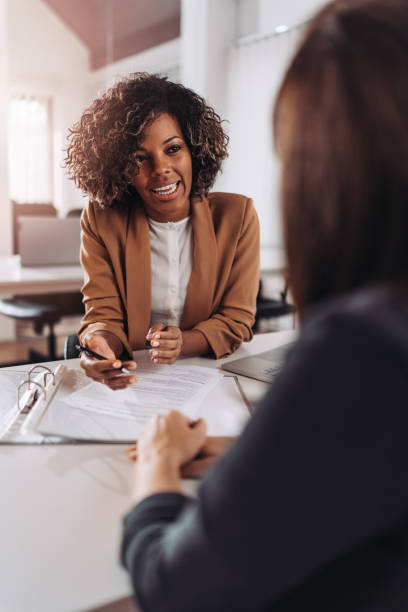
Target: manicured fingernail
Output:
[
  {"x": 157, "y": 335},
  {"x": 155, "y": 361},
  {"x": 155, "y": 343},
  {"x": 155, "y": 352},
  {"x": 116, "y": 364}
]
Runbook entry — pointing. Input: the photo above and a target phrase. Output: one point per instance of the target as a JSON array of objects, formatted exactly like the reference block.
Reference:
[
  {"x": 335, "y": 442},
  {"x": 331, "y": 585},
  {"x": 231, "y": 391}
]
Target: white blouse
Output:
[{"x": 171, "y": 252}]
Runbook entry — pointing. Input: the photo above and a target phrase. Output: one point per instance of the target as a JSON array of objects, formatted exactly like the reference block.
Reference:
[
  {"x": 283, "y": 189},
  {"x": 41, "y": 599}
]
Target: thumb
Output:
[
  {"x": 99, "y": 345},
  {"x": 199, "y": 429}
]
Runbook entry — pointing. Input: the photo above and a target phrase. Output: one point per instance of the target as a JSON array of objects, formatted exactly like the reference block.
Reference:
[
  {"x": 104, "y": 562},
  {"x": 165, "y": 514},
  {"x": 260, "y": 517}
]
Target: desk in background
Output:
[
  {"x": 62, "y": 509},
  {"x": 16, "y": 279}
]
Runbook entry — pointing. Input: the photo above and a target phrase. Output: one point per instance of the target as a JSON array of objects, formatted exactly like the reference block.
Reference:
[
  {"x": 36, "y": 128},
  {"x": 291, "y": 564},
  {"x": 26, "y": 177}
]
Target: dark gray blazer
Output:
[{"x": 309, "y": 509}]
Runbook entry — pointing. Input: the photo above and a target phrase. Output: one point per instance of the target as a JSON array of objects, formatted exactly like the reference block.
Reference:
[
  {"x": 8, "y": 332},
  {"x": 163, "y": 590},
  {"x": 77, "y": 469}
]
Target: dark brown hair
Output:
[
  {"x": 100, "y": 155},
  {"x": 341, "y": 126}
]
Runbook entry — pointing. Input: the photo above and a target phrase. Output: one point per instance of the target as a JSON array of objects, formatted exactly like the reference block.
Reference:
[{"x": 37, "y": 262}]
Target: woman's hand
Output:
[
  {"x": 106, "y": 371},
  {"x": 166, "y": 343},
  {"x": 213, "y": 449},
  {"x": 167, "y": 443},
  {"x": 172, "y": 437}
]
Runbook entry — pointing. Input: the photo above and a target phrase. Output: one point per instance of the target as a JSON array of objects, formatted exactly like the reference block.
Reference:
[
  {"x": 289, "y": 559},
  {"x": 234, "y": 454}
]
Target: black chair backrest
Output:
[{"x": 70, "y": 350}]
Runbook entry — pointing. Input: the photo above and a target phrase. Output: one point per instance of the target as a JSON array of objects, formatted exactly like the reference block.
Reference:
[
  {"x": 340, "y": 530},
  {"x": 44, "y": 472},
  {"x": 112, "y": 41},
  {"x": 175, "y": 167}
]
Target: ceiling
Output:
[{"x": 136, "y": 25}]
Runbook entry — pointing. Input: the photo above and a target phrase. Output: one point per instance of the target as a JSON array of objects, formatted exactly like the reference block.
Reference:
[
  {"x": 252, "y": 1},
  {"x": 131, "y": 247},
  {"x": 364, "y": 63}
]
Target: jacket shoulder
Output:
[
  {"x": 376, "y": 314},
  {"x": 232, "y": 207},
  {"x": 105, "y": 219},
  {"x": 234, "y": 200},
  {"x": 94, "y": 211}
]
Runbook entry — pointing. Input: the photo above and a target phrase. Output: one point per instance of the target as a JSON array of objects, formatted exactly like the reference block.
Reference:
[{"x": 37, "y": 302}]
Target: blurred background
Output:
[{"x": 56, "y": 56}]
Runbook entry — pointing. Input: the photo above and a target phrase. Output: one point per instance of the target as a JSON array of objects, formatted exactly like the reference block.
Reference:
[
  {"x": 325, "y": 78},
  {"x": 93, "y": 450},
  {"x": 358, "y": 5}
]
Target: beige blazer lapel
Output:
[
  {"x": 201, "y": 288},
  {"x": 138, "y": 277}
]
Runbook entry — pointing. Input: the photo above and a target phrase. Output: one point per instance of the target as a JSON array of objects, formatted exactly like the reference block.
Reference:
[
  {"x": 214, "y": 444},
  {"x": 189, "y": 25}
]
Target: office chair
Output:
[
  {"x": 70, "y": 350},
  {"x": 44, "y": 310},
  {"x": 268, "y": 308}
]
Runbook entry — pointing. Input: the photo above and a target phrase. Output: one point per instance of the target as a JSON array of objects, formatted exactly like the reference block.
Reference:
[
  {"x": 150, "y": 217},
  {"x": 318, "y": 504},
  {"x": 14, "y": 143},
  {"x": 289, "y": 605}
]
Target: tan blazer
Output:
[{"x": 221, "y": 294}]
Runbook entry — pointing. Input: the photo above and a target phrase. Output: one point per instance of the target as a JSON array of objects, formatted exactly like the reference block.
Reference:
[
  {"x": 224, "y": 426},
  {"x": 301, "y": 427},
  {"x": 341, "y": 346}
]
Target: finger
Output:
[
  {"x": 100, "y": 369},
  {"x": 116, "y": 386},
  {"x": 170, "y": 344},
  {"x": 98, "y": 365},
  {"x": 171, "y": 333},
  {"x": 165, "y": 354},
  {"x": 99, "y": 345},
  {"x": 104, "y": 370},
  {"x": 197, "y": 468},
  {"x": 156, "y": 327},
  {"x": 92, "y": 367},
  {"x": 132, "y": 452},
  {"x": 199, "y": 427},
  {"x": 119, "y": 382},
  {"x": 129, "y": 365},
  {"x": 158, "y": 361},
  {"x": 197, "y": 433}
]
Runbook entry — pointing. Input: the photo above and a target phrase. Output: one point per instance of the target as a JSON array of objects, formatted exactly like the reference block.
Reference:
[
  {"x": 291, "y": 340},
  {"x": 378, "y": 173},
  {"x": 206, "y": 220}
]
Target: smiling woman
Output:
[
  {"x": 164, "y": 176},
  {"x": 165, "y": 261}
]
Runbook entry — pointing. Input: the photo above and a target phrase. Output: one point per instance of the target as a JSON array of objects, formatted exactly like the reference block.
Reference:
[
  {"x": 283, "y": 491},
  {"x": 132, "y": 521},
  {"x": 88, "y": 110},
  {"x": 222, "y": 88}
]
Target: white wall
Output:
[
  {"x": 272, "y": 13},
  {"x": 263, "y": 16},
  {"x": 241, "y": 87},
  {"x": 207, "y": 29},
  {"x": 45, "y": 57},
  {"x": 164, "y": 58},
  {"x": 6, "y": 325},
  {"x": 41, "y": 46},
  {"x": 5, "y": 209}
]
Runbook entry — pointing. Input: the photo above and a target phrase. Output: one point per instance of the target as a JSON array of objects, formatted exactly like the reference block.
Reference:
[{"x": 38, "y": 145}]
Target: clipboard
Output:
[{"x": 41, "y": 414}]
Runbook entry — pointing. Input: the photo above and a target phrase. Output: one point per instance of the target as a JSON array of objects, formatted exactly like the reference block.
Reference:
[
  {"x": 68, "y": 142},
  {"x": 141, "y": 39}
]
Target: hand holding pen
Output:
[{"x": 101, "y": 364}]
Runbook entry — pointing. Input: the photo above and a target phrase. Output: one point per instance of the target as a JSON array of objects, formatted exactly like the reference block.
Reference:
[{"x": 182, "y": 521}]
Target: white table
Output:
[
  {"x": 16, "y": 279},
  {"x": 61, "y": 512}
]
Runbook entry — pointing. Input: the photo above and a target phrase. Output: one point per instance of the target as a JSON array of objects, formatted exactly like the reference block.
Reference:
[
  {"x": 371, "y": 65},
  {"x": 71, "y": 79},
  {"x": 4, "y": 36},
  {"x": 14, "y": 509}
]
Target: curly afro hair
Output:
[{"x": 100, "y": 154}]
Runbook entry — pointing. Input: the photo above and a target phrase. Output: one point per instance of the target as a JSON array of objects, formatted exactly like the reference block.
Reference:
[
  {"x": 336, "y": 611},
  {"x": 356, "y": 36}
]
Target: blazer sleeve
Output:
[
  {"x": 104, "y": 309},
  {"x": 232, "y": 322},
  {"x": 319, "y": 472}
]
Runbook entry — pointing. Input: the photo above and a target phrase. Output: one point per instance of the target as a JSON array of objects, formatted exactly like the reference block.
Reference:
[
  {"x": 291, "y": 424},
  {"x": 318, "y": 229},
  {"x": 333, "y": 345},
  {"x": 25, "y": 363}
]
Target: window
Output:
[{"x": 29, "y": 149}]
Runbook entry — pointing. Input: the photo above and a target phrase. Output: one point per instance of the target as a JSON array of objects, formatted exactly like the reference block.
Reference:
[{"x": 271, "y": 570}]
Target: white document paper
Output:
[
  {"x": 158, "y": 389},
  {"x": 84, "y": 411}
]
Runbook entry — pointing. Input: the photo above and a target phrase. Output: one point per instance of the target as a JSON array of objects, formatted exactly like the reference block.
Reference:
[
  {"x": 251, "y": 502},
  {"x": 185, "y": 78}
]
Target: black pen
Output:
[{"x": 88, "y": 351}]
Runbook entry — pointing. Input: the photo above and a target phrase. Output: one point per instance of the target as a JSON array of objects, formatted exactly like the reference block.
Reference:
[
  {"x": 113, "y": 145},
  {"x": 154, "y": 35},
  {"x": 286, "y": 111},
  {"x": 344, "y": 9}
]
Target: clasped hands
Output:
[
  {"x": 166, "y": 343},
  {"x": 173, "y": 446}
]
